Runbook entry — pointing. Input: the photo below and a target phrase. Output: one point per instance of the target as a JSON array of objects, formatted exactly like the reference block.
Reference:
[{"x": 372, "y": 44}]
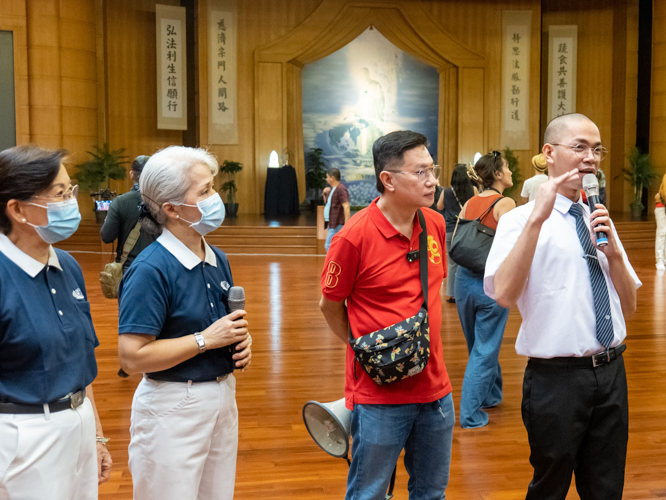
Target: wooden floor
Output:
[{"x": 297, "y": 359}]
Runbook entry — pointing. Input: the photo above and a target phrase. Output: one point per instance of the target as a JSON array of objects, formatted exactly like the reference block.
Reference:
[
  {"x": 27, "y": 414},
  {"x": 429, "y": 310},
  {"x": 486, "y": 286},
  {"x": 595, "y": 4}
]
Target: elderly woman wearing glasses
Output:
[
  {"x": 482, "y": 319},
  {"x": 177, "y": 329},
  {"x": 51, "y": 440}
]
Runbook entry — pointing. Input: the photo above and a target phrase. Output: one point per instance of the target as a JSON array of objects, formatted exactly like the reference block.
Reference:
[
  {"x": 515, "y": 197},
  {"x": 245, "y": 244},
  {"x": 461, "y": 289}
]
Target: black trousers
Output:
[{"x": 577, "y": 421}]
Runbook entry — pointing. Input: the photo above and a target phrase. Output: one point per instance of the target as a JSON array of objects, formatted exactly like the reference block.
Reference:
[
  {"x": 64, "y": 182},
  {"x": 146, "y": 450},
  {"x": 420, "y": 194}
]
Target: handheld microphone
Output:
[
  {"x": 591, "y": 188},
  {"x": 236, "y": 302}
]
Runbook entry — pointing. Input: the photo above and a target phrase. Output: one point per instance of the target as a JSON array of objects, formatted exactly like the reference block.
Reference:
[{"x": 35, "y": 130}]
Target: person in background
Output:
[
  {"x": 660, "y": 218},
  {"x": 450, "y": 203},
  {"x": 531, "y": 185},
  {"x": 51, "y": 440},
  {"x": 336, "y": 210},
  {"x": 482, "y": 319},
  {"x": 123, "y": 217},
  {"x": 176, "y": 328},
  {"x": 368, "y": 284},
  {"x": 573, "y": 298}
]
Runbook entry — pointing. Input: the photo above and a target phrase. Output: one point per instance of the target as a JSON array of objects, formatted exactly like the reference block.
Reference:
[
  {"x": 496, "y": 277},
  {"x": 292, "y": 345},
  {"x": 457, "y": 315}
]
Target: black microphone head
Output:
[
  {"x": 236, "y": 298},
  {"x": 591, "y": 185}
]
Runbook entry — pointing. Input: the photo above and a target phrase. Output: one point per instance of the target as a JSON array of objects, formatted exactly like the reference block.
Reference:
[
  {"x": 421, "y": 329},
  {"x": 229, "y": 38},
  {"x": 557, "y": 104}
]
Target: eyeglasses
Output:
[
  {"x": 582, "y": 150},
  {"x": 422, "y": 174},
  {"x": 71, "y": 192}
]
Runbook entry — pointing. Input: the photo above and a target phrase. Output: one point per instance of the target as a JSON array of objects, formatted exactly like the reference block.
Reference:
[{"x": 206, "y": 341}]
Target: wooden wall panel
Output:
[
  {"x": 471, "y": 114},
  {"x": 658, "y": 99},
  {"x": 131, "y": 81}
]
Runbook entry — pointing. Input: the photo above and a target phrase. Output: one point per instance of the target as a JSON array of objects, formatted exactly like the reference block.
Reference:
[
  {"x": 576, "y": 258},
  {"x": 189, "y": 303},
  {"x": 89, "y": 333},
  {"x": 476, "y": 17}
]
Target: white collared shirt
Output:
[
  {"x": 556, "y": 304},
  {"x": 31, "y": 266}
]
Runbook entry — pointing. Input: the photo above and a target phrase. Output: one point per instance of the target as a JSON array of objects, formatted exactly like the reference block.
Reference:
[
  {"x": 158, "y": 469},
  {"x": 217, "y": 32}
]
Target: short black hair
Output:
[
  {"x": 138, "y": 164},
  {"x": 335, "y": 173},
  {"x": 391, "y": 148},
  {"x": 24, "y": 172}
]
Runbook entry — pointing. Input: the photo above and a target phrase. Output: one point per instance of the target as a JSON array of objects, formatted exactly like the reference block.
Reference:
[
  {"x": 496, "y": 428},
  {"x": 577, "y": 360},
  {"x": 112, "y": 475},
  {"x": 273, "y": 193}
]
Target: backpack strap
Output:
[
  {"x": 423, "y": 258},
  {"x": 130, "y": 242}
]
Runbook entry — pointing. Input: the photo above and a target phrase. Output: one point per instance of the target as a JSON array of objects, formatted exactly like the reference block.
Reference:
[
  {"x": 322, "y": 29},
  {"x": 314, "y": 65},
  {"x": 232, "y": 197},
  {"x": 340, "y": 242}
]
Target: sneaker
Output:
[{"x": 660, "y": 266}]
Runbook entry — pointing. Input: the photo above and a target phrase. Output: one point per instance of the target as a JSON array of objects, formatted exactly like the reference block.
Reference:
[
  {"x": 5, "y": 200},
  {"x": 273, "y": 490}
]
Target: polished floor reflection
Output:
[{"x": 297, "y": 359}]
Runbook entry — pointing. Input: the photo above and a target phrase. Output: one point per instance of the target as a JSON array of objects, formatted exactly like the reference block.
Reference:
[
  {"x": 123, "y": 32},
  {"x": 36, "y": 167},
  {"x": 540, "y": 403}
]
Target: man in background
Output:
[
  {"x": 531, "y": 185},
  {"x": 336, "y": 210},
  {"x": 123, "y": 217}
]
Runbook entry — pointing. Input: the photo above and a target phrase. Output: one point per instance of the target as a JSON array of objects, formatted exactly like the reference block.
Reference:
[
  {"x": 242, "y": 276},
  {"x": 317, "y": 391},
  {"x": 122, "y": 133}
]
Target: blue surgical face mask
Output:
[
  {"x": 64, "y": 218},
  {"x": 212, "y": 214}
]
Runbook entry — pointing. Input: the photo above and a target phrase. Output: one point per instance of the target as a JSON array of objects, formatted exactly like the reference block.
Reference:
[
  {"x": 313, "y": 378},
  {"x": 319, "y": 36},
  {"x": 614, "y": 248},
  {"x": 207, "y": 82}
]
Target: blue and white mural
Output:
[{"x": 363, "y": 91}]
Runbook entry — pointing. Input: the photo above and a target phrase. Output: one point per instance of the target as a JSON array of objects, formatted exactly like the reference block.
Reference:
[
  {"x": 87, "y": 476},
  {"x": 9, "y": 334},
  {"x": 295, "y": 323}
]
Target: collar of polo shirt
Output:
[
  {"x": 29, "y": 265},
  {"x": 184, "y": 255}
]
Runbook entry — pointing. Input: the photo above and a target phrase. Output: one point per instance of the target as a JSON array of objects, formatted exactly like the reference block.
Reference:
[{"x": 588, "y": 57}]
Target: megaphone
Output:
[{"x": 328, "y": 424}]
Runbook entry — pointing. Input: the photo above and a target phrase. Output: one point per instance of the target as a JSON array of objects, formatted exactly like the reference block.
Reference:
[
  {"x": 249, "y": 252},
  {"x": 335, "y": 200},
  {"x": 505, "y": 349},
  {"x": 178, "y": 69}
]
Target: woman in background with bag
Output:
[
  {"x": 450, "y": 204},
  {"x": 482, "y": 319}
]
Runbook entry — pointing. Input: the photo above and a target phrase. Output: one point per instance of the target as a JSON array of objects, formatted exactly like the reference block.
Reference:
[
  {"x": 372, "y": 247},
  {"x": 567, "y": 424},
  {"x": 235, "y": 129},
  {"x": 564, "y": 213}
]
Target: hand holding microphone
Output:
[
  {"x": 591, "y": 188},
  {"x": 232, "y": 328},
  {"x": 241, "y": 352}
]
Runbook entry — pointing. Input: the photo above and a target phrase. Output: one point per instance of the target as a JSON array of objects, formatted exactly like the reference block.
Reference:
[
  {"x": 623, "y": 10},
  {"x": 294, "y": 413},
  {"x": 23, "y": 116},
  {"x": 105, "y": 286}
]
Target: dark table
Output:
[{"x": 281, "y": 192}]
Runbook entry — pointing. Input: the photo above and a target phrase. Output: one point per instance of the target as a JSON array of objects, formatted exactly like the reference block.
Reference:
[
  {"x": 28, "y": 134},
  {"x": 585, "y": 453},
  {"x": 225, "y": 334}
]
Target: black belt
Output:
[
  {"x": 598, "y": 359},
  {"x": 70, "y": 402}
]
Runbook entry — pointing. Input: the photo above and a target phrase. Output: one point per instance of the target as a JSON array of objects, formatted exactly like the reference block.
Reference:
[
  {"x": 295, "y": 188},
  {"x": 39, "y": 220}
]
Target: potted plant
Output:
[
  {"x": 94, "y": 175},
  {"x": 315, "y": 177},
  {"x": 640, "y": 174},
  {"x": 230, "y": 168},
  {"x": 516, "y": 176}
]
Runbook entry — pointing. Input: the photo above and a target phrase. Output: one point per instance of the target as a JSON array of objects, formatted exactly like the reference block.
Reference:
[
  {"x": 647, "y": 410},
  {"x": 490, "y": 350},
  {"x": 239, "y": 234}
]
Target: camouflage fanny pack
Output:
[{"x": 401, "y": 350}]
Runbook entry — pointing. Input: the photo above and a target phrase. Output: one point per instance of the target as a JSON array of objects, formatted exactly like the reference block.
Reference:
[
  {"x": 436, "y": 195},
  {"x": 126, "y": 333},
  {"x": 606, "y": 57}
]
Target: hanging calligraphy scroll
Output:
[
  {"x": 562, "y": 60},
  {"x": 171, "y": 64},
  {"x": 516, "y": 42},
  {"x": 223, "y": 112}
]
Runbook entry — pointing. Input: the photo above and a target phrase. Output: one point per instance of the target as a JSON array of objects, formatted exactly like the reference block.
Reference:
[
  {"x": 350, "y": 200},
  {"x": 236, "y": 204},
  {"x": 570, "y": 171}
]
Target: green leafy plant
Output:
[
  {"x": 516, "y": 176},
  {"x": 315, "y": 176},
  {"x": 640, "y": 174},
  {"x": 105, "y": 164},
  {"x": 230, "y": 168}
]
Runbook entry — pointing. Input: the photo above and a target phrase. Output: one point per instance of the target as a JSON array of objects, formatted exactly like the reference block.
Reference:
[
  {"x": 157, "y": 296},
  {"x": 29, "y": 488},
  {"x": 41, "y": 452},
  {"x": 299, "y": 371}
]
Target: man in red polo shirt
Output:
[{"x": 367, "y": 267}]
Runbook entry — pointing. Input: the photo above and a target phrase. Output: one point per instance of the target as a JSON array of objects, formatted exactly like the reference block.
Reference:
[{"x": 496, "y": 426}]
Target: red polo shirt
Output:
[{"x": 367, "y": 265}]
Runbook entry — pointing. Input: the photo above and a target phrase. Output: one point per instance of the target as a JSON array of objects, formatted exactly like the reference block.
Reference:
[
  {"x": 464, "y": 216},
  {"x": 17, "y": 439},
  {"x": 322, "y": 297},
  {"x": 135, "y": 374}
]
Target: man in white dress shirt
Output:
[{"x": 574, "y": 405}]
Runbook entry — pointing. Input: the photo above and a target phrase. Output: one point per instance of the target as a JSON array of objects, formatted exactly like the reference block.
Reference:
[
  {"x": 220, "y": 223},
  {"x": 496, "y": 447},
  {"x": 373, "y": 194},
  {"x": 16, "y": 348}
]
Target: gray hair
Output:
[{"x": 165, "y": 179}]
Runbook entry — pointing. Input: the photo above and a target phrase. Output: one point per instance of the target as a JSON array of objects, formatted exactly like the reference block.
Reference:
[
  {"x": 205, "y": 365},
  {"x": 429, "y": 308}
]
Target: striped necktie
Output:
[{"x": 602, "y": 308}]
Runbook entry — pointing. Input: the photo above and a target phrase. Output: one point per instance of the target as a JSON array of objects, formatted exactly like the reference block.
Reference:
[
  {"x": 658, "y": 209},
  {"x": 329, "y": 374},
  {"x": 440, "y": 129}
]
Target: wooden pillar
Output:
[{"x": 43, "y": 20}]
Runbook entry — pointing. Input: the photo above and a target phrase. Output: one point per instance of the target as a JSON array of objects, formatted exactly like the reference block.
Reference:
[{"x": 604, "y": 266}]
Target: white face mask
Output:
[{"x": 212, "y": 214}]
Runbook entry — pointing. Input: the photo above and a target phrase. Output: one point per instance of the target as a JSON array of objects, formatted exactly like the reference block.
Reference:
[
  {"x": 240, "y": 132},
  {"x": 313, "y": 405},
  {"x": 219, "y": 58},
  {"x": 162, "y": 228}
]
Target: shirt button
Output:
[
  {"x": 211, "y": 305},
  {"x": 60, "y": 312},
  {"x": 208, "y": 285},
  {"x": 53, "y": 291}
]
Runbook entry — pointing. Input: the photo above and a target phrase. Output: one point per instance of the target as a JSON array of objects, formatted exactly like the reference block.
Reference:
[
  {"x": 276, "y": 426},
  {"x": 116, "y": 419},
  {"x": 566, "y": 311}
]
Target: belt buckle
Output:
[
  {"x": 76, "y": 400},
  {"x": 601, "y": 358}
]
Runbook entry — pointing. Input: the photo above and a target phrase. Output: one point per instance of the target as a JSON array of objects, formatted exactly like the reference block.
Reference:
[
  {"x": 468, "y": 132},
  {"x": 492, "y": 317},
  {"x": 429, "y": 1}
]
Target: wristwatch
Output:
[{"x": 200, "y": 341}]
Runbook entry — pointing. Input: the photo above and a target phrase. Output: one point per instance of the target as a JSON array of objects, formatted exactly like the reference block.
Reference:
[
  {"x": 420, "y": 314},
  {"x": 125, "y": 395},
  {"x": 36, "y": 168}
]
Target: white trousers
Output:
[
  {"x": 49, "y": 458},
  {"x": 184, "y": 440},
  {"x": 660, "y": 242}
]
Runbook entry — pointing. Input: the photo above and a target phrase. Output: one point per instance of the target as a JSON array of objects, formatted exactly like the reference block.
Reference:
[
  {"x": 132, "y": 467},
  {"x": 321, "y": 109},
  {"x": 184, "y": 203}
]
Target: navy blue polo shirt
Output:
[
  {"x": 169, "y": 292},
  {"x": 47, "y": 339}
]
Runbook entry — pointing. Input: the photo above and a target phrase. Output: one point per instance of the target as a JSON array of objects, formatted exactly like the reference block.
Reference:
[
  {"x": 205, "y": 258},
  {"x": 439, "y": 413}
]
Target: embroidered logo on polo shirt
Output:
[
  {"x": 334, "y": 270},
  {"x": 224, "y": 285},
  {"x": 78, "y": 294},
  {"x": 433, "y": 251}
]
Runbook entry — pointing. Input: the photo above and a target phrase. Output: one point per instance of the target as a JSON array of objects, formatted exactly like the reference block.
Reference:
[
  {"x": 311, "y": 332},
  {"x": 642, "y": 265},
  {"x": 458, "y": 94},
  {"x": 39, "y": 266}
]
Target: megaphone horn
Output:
[{"x": 328, "y": 424}]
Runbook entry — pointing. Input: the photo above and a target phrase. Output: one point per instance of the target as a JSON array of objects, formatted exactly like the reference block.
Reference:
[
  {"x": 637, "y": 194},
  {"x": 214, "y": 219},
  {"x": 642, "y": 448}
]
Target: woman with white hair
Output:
[{"x": 176, "y": 328}]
